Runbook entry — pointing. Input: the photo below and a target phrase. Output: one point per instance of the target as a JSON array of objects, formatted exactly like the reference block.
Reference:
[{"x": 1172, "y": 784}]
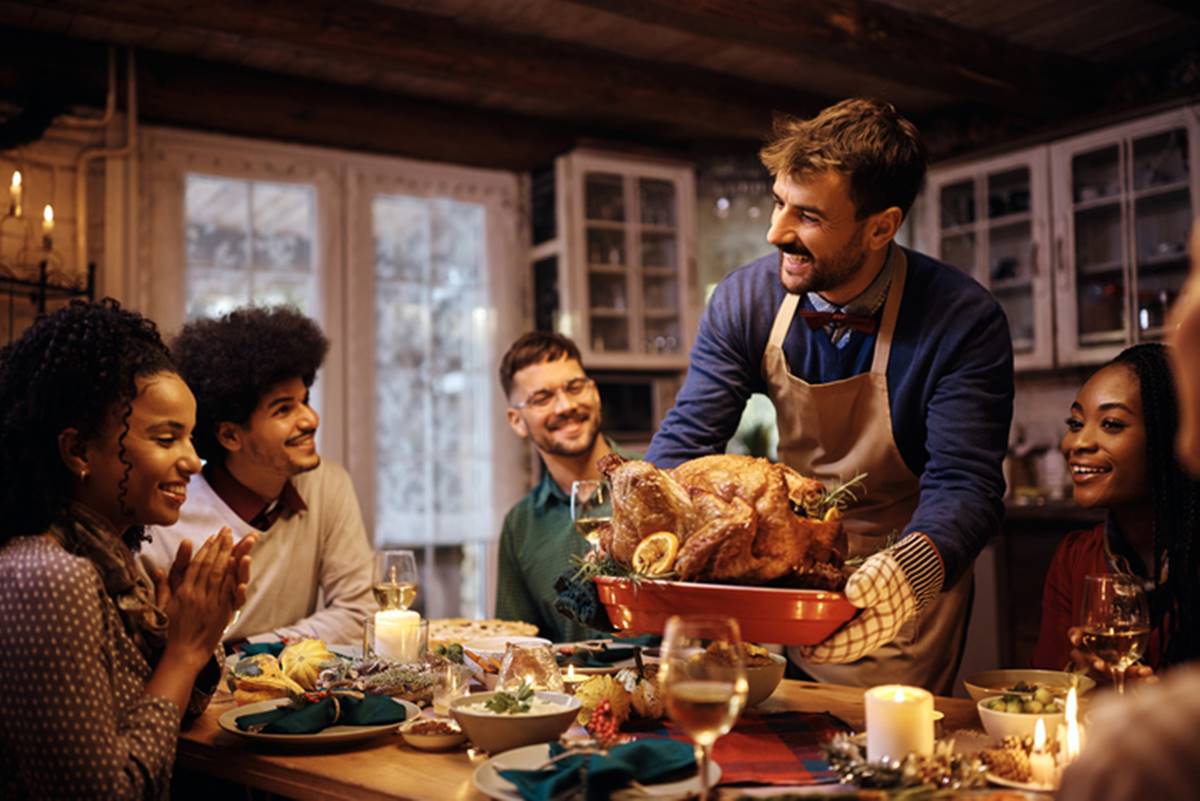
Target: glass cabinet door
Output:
[
  {"x": 659, "y": 260},
  {"x": 987, "y": 225},
  {"x": 1162, "y": 216},
  {"x": 1011, "y": 254},
  {"x": 608, "y": 295},
  {"x": 1098, "y": 196}
]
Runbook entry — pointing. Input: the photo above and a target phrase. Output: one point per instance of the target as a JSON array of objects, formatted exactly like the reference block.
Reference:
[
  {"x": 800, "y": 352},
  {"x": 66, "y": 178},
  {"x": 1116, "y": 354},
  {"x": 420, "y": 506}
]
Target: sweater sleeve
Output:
[
  {"x": 64, "y": 724},
  {"x": 967, "y": 420},
  {"x": 723, "y": 371},
  {"x": 346, "y": 565},
  {"x": 1053, "y": 650}
]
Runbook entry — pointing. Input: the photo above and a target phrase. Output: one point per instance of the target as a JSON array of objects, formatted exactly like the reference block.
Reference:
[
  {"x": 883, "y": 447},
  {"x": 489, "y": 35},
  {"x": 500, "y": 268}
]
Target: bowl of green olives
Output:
[
  {"x": 1017, "y": 714},
  {"x": 1023, "y": 681}
]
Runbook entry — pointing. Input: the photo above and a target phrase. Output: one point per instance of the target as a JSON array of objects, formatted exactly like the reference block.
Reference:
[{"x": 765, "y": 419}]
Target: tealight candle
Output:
[
  {"x": 899, "y": 722},
  {"x": 571, "y": 678},
  {"x": 398, "y": 634},
  {"x": 1042, "y": 769}
]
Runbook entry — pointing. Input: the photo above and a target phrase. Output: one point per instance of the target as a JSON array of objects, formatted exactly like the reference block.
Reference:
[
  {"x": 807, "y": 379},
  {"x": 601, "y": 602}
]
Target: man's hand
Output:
[{"x": 882, "y": 591}]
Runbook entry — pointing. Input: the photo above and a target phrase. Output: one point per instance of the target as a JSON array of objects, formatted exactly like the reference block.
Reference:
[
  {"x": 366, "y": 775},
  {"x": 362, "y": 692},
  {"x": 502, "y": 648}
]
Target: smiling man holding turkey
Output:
[{"x": 878, "y": 360}]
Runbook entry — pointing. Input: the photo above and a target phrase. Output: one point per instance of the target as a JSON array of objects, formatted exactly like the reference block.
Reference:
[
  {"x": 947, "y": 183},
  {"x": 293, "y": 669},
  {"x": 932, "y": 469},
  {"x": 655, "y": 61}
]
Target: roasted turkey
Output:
[{"x": 739, "y": 519}]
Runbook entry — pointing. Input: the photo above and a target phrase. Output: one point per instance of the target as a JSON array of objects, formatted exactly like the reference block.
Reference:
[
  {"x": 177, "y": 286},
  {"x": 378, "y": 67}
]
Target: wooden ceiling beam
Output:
[
  {"x": 883, "y": 41},
  {"x": 537, "y": 75}
]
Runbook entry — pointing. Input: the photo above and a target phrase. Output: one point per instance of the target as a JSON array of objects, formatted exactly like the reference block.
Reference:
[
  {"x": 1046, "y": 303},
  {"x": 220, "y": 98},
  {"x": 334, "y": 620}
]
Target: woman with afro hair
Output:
[
  {"x": 98, "y": 661},
  {"x": 1120, "y": 449}
]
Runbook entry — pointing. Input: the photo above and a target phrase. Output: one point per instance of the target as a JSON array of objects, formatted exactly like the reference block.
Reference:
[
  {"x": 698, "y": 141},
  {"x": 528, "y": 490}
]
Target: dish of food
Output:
[
  {"x": 333, "y": 734},
  {"x": 582, "y": 656},
  {"x": 445, "y": 631},
  {"x": 432, "y": 735},
  {"x": 765, "y": 614},
  {"x": 500, "y": 721},
  {"x": 1001, "y": 723},
  {"x": 997, "y": 682},
  {"x": 380, "y": 676},
  {"x": 487, "y": 778}
]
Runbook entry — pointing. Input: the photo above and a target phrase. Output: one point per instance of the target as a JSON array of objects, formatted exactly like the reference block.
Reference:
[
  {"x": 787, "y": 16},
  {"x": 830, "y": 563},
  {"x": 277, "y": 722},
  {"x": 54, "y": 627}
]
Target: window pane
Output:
[
  {"x": 249, "y": 242},
  {"x": 433, "y": 383}
]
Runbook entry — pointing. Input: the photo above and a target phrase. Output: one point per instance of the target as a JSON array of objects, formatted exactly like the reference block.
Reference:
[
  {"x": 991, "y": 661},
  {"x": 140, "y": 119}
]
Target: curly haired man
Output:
[{"x": 251, "y": 371}]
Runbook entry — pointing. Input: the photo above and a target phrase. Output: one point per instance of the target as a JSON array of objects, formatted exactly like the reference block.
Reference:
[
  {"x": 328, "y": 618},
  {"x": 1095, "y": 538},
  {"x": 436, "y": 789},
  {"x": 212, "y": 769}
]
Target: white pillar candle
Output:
[
  {"x": 1042, "y": 769},
  {"x": 899, "y": 722},
  {"x": 398, "y": 634}
]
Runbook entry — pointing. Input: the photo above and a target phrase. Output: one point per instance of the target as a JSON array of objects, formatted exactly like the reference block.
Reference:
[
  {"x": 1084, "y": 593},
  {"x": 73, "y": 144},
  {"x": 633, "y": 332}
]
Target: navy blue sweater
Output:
[{"x": 950, "y": 385}]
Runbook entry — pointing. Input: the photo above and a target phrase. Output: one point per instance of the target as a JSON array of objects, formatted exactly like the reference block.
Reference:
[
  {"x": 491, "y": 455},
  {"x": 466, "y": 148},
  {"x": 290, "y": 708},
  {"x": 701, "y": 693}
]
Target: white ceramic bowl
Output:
[
  {"x": 763, "y": 680},
  {"x": 432, "y": 742},
  {"x": 498, "y": 733},
  {"x": 993, "y": 682},
  {"x": 1017, "y": 724}
]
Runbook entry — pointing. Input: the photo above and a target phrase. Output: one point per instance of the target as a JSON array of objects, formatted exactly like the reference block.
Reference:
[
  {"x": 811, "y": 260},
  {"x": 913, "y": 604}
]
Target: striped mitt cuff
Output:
[{"x": 918, "y": 557}]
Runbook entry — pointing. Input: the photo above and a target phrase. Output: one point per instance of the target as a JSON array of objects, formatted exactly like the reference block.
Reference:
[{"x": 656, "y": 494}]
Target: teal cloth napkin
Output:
[
  {"x": 647, "y": 761},
  {"x": 252, "y": 648},
  {"x": 371, "y": 710}
]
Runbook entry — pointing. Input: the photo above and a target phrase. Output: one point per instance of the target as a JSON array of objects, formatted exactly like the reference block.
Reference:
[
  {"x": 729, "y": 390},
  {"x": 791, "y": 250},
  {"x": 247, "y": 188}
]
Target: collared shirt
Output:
[
  {"x": 537, "y": 542},
  {"x": 866, "y": 304},
  {"x": 248, "y": 504}
]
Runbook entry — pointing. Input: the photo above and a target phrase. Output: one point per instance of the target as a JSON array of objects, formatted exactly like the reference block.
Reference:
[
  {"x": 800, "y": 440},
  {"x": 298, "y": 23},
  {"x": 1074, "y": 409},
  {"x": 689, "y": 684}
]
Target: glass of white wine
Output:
[
  {"x": 703, "y": 680},
  {"x": 591, "y": 508},
  {"x": 1116, "y": 622},
  {"x": 395, "y": 583}
]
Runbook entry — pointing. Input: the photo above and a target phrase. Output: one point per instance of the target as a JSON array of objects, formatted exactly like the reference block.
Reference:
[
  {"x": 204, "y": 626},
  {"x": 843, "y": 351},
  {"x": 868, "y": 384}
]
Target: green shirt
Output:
[{"x": 537, "y": 542}]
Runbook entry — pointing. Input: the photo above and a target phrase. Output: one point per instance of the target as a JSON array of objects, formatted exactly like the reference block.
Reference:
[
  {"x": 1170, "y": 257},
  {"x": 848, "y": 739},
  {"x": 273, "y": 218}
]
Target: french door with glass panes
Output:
[
  {"x": 991, "y": 220},
  {"x": 409, "y": 268},
  {"x": 1124, "y": 203}
]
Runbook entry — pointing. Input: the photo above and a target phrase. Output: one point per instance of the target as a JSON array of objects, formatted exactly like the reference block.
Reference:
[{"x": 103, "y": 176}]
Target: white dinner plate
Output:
[
  {"x": 1030, "y": 786},
  {"x": 333, "y": 734},
  {"x": 488, "y": 780}
]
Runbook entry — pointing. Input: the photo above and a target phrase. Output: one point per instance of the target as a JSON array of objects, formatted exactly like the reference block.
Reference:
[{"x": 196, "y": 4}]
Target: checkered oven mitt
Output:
[{"x": 891, "y": 587}]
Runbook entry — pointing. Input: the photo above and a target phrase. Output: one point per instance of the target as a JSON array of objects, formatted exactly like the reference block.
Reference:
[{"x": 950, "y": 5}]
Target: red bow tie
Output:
[{"x": 820, "y": 319}]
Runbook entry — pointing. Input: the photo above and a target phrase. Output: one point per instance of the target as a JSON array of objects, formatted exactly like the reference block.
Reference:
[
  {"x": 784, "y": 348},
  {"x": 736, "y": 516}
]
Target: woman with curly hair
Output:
[
  {"x": 1120, "y": 448},
  {"x": 99, "y": 662}
]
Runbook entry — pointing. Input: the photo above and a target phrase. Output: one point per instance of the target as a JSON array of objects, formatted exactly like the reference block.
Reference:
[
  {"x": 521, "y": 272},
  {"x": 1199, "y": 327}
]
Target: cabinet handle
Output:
[{"x": 1035, "y": 269}]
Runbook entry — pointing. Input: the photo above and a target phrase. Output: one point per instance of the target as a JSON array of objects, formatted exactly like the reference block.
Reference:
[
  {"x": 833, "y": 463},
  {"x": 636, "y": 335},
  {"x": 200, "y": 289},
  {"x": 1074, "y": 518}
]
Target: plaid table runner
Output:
[{"x": 780, "y": 748}]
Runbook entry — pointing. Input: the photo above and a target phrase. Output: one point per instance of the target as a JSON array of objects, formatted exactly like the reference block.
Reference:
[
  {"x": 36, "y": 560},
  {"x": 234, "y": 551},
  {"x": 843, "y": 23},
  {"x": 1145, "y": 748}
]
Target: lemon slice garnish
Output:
[{"x": 656, "y": 553}]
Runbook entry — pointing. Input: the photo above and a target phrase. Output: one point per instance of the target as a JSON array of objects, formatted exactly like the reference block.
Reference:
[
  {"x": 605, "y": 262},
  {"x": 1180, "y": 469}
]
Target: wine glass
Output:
[
  {"x": 703, "y": 680},
  {"x": 1116, "y": 622},
  {"x": 591, "y": 508},
  {"x": 395, "y": 583}
]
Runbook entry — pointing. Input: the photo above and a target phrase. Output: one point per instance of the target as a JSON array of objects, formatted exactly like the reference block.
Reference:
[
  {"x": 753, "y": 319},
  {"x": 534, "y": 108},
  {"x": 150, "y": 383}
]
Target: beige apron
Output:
[{"x": 835, "y": 431}]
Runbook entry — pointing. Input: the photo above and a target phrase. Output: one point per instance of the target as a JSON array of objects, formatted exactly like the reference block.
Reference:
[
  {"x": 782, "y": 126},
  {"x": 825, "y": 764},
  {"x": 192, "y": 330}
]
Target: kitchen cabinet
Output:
[
  {"x": 617, "y": 273},
  {"x": 1124, "y": 200},
  {"x": 1083, "y": 241},
  {"x": 992, "y": 219}
]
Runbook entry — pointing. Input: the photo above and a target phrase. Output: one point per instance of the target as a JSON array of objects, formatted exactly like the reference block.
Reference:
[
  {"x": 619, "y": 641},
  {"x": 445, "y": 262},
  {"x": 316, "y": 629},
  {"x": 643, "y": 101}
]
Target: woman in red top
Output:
[{"x": 1119, "y": 446}]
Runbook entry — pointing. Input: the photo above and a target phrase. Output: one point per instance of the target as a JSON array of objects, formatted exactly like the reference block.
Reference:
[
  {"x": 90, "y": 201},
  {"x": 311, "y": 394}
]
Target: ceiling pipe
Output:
[
  {"x": 110, "y": 101},
  {"x": 87, "y": 156}
]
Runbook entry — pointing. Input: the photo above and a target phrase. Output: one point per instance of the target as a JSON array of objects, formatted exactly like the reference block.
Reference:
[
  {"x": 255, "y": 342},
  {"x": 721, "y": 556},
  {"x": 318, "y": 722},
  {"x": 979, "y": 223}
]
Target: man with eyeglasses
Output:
[{"x": 553, "y": 403}]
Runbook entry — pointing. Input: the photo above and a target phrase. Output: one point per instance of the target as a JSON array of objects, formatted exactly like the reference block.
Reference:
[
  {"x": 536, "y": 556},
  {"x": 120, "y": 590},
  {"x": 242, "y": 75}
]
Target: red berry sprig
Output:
[{"x": 603, "y": 723}]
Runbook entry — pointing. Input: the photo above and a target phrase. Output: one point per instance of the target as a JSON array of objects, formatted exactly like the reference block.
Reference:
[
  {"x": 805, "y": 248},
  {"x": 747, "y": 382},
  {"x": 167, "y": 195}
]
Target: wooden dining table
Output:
[{"x": 387, "y": 768}]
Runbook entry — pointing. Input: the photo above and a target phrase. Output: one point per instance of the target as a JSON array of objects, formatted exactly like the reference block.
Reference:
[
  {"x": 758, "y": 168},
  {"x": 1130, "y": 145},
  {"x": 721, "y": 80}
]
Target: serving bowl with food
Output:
[
  {"x": 725, "y": 534},
  {"x": 429, "y": 734},
  {"x": 988, "y": 683},
  {"x": 1017, "y": 714},
  {"x": 500, "y": 720}
]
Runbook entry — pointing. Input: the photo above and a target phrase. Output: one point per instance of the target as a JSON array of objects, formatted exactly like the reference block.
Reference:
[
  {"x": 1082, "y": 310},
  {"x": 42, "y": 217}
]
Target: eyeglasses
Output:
[{"x": 544, "y": 397}]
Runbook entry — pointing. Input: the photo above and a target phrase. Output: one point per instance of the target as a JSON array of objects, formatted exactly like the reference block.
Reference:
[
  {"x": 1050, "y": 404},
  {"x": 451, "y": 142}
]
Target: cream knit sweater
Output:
[{"x": 310, "y": 574}]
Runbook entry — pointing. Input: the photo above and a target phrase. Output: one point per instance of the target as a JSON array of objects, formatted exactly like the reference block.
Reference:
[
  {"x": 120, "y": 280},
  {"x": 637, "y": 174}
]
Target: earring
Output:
[{"x": 83, "y": 475}]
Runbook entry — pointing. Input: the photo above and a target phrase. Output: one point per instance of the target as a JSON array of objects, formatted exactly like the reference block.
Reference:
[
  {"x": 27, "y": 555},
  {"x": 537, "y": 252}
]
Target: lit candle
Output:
[
  {"x": 899, "y": 722},
  {"x": 48, "y": 220},
  {"x": 398, "y": 634},
  {"x": 1073, "y": 733},
  {"x": 571, "y": 679},
  {"x": 14, "y": 192},
  {"x": 1042, "y": 769}
]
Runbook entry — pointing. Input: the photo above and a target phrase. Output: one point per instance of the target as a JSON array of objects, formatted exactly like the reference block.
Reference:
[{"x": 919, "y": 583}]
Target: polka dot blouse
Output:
[{"x": 75, "y": 721}]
